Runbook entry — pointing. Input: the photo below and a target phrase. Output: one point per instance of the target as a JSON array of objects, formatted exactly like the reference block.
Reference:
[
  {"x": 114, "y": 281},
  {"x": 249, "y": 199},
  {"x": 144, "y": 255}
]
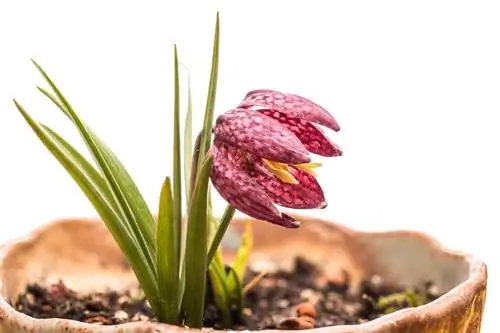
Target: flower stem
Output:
[{"x": 221, "y": 231}]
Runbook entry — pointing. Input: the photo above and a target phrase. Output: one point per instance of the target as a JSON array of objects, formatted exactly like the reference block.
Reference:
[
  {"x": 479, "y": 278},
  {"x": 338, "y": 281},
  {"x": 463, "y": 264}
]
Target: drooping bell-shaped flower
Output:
[{"x": 261, "y": 155}]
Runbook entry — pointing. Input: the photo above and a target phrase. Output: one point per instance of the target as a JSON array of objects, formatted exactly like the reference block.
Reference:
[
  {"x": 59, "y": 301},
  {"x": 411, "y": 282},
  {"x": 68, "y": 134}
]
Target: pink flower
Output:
[{"x": 261, "y": 155}]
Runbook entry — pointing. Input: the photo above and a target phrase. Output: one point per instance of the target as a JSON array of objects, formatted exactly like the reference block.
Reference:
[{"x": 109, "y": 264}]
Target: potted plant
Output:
[{"x": 134, "y": 270}]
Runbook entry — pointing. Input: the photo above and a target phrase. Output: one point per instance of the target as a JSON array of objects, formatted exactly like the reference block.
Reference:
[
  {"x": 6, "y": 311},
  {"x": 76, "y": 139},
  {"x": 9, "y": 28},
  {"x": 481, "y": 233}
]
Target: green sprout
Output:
[
  {"x": 173, "y": 255},
  {"x": 407, "y": 298}
]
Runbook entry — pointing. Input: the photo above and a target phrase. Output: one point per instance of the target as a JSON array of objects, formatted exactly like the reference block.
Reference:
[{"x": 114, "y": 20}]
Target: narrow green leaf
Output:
[
  {"x": 90, "y": 182},
  {"x": 113, "y": 171},
  {"x": 177, "y": 161},
  {"x": 132, "y": 193},
  {"x": 84, "y": 164},
  {"x": 194, "y": 163},
  {"x": 212, "y": 91},
  {"x": 219, "y": 289},
  {"x": 167, "y": 259},
  {"x": 188, "y": 142},
  {"x": 221, "y": 231},
  {"x": 238, "y": 269},
  {"x": 213, "y": 223},
  {"x": 196, "y": 248},
  {"x": 235, "y": 290},
  {"x": 244, "y": 251}
]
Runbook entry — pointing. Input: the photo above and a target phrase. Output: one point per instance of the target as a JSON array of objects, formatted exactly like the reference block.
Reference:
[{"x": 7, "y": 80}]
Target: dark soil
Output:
[{"x": 299, "y": 299}]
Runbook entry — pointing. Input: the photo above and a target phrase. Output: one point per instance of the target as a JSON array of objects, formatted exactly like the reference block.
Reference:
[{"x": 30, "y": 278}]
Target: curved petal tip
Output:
[
  {"x": 287, "y": 221},
  {"x": 295, "y": 105}
]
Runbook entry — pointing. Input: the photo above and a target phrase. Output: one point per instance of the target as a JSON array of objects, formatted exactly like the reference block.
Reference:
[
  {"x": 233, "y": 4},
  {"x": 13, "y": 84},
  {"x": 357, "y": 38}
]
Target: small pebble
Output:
[
  {"x": 306, "y": 309},
  {"x": 338, "y": 278},
  {"x": 434, "y": 290},
  {"x": 123, "y": 300},
  {"x": 352, "y": 308},
  {"x": 139, "y": 317},
  {"x": 281, "y": 283},
  {"x": 309, "y": 295},
  {"x": 310, "y": 320},
  {"x": 121, "y": 315},
  {"x": 30, "y": 298},
  {"x": 97, "y": 320},
  {"x": 46, "y": 307},
  {"x": 284, "y": 303},
  {"x": 294, "y": 323}
]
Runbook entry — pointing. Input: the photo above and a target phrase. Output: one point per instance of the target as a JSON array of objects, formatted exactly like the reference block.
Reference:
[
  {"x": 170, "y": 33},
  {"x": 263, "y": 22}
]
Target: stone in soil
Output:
[{"x": 286, "y": 300}]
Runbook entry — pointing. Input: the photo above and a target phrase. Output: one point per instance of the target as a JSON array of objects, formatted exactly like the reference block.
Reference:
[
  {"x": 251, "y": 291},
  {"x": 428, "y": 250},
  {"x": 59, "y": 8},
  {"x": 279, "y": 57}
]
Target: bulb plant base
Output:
[{"x": 286, "y": 298}]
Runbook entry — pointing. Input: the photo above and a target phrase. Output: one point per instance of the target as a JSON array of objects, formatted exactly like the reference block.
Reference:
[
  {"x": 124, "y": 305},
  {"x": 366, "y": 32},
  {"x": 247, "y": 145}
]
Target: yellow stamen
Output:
[
  {"x": 308, "y": 167},
  {"x": 281, "y": 171}
]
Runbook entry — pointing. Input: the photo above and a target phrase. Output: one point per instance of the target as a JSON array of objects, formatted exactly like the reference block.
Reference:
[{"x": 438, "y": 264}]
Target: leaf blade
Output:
[
  {"x": 167, "y": 260},
  {"x": 96, "y": 195},
  {"x": 235, "y": 291},
  {"x": 196, "y": 248},
  {"x": 177, "y": 160},
  {"x": 244, "y": 251},
  {"x": 89, "y": 169},
  {"x": 140, "y": 204},
  {"x": 188, "y": 141},
  {"x": 110, "y": 165},
  {"x": 211, "y": 95},
  {"x": 220, "y": 291}
]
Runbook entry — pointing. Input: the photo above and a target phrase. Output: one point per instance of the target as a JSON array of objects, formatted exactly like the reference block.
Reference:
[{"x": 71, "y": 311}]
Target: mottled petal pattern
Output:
[
  {"x": 243, "y": 193},
  {"x": 260, "y": 135},
  {"x": 261, "y": 155},
  {"x": 306, "y": 194},
  {"x": 294, "y": 105},
  {"x": 311, "y": 136}
]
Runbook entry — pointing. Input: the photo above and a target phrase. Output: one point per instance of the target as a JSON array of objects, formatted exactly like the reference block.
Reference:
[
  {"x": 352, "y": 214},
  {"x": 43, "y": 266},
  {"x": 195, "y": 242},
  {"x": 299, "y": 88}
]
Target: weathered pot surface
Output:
[{"x": 83, "y": 254}]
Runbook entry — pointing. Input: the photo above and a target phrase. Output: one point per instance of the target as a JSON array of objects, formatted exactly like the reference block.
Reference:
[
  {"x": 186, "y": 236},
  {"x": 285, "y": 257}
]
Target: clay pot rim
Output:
[{"x": 476, "y": 280}]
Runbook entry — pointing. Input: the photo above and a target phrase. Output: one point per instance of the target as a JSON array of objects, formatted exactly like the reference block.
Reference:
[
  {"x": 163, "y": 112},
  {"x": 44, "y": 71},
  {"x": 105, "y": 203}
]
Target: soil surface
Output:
[{"x": 300, "y": 299}]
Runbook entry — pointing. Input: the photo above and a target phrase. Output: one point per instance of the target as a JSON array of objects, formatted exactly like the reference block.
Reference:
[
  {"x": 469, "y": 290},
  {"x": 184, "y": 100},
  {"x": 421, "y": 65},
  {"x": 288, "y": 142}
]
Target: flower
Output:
[{"x": 261, "y": 155}]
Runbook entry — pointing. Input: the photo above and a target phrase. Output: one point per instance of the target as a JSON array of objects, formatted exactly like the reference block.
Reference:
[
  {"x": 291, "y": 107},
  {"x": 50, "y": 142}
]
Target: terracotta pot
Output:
[{"x": 84, "y": 255}]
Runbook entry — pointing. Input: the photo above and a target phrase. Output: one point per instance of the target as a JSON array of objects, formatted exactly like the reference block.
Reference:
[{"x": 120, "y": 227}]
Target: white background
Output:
[{"x": 414, "y": 85}]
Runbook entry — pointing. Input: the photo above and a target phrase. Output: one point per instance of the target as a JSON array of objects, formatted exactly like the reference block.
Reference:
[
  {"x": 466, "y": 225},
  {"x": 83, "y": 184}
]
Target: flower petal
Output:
[
  {"x": 291, "y": 104},
  {"x": 311, "y": 136},
  {"x": 261, "y": 136},
  {"x": 244, "y": 194},
  {"x": 305, "y": 194}
]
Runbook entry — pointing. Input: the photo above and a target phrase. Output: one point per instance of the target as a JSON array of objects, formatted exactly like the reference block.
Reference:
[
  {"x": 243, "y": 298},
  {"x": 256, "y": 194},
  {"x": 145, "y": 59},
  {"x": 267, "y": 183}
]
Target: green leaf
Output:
[
  {"x": 177, "y": 160},
  {"x": 220, "y": 291},
  {"x": 244, "y": 251},
  {"x": 167, "y": 259},
  {"x": 188, "y": 142},
  {"x": 131, "y": 203},
  {"x": 91, "y": 184},
  {"x": 235, "y": 289},
  {"x": 85, "y": 165},
  {"x": 240, "y": 263},
  {"x": 213, "y": 223},
  {"x": 212, "y": 91},
  {"x": 196, "y": 248},
  {"x": 188, "y": 162},
  {"x": 133, "y": 191},
  {"x": 238, "y": 269}
]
